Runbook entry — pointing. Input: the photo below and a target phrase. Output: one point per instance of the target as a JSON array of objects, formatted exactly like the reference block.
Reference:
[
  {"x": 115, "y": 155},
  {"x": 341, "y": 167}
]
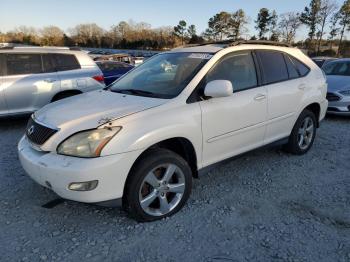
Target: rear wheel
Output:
[
  {"x": 159, "y": 186},
  {"x": 303, "y": 133}
]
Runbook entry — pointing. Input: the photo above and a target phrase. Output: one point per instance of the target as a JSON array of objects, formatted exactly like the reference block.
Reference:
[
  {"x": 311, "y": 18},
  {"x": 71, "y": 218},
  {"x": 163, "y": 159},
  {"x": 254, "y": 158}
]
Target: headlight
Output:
[
  {"x": 87, "y": 143},
  {"x": 345, "y": 93}
]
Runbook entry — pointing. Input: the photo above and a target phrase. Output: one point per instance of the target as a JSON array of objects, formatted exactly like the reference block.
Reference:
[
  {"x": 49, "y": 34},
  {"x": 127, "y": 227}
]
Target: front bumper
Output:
[
  {"x": 341, "y": 107},
  {"x": 57, "y": 172}
]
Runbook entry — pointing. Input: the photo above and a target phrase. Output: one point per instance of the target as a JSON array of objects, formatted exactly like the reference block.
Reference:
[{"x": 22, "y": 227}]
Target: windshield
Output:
[
  {"x": 338, "y": 68},
  {"x": 162, "y": 76}
]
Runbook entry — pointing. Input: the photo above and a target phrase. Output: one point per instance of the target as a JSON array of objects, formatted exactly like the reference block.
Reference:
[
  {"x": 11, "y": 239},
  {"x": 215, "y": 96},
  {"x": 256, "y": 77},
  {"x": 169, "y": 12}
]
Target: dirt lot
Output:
[{"x": 264, "y": 206}]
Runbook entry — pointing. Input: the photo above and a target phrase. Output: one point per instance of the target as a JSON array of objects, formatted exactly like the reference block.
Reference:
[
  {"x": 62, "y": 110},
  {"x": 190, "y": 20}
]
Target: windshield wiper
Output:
[{"x": 136, "y": 92}]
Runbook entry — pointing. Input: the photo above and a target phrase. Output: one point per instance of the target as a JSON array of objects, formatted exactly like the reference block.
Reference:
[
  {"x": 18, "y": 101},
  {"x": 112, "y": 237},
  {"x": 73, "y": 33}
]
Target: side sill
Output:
[{"x": 206, "y": 169}]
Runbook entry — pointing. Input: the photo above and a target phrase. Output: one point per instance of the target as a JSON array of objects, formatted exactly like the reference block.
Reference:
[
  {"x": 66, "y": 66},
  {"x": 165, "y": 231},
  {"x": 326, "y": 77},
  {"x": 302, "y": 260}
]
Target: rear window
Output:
[
  {"x": 65, "y": 62},
  {"x": 273, "y": 66},
  {"x": 21, "y": 64}
]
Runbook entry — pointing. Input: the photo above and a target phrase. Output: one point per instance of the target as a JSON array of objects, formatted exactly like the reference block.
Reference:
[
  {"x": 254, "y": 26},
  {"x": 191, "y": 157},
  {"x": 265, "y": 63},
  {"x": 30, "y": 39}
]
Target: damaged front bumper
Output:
[{"x": 58, "y": 172}]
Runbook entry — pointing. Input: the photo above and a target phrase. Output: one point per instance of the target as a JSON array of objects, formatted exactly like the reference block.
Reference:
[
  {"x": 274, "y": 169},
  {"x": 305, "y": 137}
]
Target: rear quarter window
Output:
[
  {"x": 303, "y": 69},
  {"x": 292, "y": 70},
  {"x": 65, "y": 62}
]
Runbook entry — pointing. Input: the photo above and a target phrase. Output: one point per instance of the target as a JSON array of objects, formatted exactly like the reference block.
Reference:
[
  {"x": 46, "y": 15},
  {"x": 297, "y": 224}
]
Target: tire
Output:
[
  {"x": 305, "y": 127},
  {"x": 148, "y": 191}
]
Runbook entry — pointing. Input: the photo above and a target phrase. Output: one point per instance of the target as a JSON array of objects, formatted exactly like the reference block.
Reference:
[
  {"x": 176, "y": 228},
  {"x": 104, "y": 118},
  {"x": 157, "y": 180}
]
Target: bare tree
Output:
[
  {"x": 289, "y": 23},
  {"x": 328, "y": 7},
  {"x": 344, "y": 21},
  {"x": 52, "y": 36},
  {"x": 87, "y": 34},
  {"x": 334, "y": 29},
  {"x": 24, "y": 34}
]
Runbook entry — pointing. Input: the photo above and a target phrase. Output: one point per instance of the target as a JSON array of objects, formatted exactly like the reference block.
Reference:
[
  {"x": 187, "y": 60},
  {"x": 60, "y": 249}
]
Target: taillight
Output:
[{"x": 99, "y": 78}]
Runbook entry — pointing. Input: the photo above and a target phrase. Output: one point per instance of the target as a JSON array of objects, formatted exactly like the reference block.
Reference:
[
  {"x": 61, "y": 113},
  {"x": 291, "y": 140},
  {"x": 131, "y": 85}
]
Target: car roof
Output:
[
  {"x": 323, "y": 58},
  {"x": 39, "y": 49}
]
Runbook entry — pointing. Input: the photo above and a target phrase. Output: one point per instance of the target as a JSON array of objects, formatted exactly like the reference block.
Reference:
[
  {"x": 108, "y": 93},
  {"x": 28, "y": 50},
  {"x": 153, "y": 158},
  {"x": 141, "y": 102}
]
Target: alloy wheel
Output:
[
  {"x": 306, "y": 133},
  {"x": 162, "y": 190}
]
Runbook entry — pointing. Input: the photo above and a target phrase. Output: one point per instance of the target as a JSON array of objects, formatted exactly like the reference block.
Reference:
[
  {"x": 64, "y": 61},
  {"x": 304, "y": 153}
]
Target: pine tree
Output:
[{"x": 310, "y": 17}]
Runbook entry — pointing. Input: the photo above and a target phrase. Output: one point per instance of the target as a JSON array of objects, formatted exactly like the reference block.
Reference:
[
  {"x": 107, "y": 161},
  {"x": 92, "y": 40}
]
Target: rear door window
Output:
[
  {"x": 273, "y": 67},
  {"x": 22, "y": 64},
  {"x": 65, "y": 62}
]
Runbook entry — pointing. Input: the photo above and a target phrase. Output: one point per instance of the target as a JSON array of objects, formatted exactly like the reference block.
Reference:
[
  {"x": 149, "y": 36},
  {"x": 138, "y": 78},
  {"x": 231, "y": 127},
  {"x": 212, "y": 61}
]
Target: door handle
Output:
[
  {"x": 302, "y": 86},
  {"x": 259, "y": 97}
]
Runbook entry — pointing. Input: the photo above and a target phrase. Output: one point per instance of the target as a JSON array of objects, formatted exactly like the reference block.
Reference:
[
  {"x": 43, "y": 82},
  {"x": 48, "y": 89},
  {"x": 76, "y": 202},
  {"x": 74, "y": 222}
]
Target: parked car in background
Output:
[
  {"x": 112, "y": 70},
  {"x": 125, "y": 58},
  {"x": 31, "y": 77},
  {"x": 338, "y": 79},
  {"x": 322, "y": 60},
  {"x": 97, "y": 53},
  {"x": 141, "y": 141},
  {"x": 138, "y": 60}
]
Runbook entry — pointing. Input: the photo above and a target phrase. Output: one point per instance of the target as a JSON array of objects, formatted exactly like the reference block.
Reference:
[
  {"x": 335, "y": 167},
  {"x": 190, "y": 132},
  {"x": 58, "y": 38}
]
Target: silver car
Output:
[
  {"x": 31, "y": 77},
  {"x": 338, "y": 79}
]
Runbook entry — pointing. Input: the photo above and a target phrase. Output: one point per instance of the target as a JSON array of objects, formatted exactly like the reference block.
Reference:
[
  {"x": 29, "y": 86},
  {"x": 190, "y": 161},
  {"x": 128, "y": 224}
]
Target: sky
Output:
[{"x": 68, "y": 13}]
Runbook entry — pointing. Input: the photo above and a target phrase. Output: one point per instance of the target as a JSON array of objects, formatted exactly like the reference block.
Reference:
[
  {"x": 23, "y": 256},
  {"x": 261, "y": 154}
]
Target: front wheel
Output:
[
  {"x": 303, "y": 133},
  {"x": 159, "y": 185}
]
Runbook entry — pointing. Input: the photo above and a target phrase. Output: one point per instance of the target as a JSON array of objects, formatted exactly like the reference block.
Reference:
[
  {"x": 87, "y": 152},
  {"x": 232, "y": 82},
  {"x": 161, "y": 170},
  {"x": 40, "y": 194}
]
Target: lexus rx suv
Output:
[
  {"x": 141, "y": 142},
  {"x": 31, "y": 77}
]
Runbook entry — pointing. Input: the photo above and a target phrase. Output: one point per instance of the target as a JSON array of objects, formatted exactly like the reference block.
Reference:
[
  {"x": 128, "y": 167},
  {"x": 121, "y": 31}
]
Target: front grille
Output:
[
  {"x": 37, "y": 133},
  {"x": 332, "y": 97}
]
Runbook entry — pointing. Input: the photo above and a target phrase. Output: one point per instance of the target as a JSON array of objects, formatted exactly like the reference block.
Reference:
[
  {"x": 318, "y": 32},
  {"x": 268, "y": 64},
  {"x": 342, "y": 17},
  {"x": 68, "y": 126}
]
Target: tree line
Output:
[{"x": 321, "y": 17}]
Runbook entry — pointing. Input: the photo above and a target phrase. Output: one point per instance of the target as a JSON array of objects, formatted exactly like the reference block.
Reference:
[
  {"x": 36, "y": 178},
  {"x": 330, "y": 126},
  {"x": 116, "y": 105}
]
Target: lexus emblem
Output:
[{"x": 30, "y": 130}]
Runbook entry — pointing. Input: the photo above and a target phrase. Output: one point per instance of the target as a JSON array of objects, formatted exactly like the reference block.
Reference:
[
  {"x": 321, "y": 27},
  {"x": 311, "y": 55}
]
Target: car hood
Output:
[
  {"x": 338, "y": 83},
  {"x": 95, "y": 108}
]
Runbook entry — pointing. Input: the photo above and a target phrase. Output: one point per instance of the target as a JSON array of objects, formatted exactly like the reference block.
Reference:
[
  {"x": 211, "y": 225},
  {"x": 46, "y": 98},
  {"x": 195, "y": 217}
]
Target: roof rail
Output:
[
  {"x": 259, "y": 42},
  {"x": 229, "y": 43}
]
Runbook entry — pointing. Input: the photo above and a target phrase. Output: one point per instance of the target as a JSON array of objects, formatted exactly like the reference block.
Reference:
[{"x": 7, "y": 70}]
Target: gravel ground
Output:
[{"x": 264, "y": 206}]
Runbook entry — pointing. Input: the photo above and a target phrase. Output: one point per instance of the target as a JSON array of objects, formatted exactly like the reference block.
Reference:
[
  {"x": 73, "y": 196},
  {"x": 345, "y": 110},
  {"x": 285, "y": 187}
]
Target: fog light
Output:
[{"x": 83, "y": 186}]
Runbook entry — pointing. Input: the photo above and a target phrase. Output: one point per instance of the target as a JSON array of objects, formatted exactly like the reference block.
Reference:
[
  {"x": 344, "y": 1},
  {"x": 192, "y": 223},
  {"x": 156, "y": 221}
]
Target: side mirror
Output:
[{"x": 218, "y": 88}]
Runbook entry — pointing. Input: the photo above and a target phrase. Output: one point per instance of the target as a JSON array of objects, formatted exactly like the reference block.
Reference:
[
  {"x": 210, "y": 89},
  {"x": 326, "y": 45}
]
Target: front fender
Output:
[{"x": 141, "y": 131}]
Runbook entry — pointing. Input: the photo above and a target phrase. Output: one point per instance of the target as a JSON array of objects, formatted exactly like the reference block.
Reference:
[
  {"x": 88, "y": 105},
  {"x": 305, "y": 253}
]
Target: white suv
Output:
[{"x": 143, "y": 140}]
